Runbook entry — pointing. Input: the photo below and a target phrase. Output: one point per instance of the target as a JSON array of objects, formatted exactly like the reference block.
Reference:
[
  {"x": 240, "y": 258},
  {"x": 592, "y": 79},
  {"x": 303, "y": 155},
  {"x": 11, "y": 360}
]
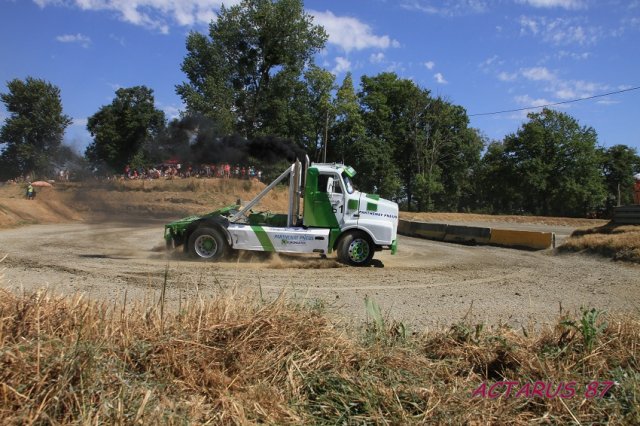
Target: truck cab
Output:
[
  {"x": 335, "y": 217},
  {"x": 331, "y": 201}
]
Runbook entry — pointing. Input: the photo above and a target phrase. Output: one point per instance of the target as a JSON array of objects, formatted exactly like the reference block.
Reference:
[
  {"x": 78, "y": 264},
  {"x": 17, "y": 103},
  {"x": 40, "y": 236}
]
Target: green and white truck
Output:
[{"x": 335, "y": 217}]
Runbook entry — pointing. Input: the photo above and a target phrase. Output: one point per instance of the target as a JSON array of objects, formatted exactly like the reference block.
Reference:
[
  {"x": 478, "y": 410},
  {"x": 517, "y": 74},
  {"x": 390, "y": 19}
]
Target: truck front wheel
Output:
[
  {"x": 207, "y": 243},
  {"x": 355, "y": 249}
]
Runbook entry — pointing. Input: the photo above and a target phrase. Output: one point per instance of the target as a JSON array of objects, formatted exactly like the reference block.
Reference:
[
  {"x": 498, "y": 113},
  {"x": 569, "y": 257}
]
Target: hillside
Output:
[
  {"x": 89, "y": 201},
  {"x": 71, "y": 201}
]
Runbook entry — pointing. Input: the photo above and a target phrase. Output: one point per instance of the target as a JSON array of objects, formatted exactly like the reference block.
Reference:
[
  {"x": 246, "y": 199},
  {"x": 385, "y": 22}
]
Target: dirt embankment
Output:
[{"x": 69, "y": 202}]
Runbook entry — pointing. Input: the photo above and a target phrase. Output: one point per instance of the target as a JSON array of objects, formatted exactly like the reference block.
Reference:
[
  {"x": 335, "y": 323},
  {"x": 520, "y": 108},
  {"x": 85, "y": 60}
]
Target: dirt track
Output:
[{"x": 428, "y": 283}]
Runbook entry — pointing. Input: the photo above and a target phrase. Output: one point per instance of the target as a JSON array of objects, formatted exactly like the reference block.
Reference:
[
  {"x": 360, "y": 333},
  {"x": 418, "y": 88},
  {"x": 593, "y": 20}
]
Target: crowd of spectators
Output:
[{"x": 177, "y": 170}]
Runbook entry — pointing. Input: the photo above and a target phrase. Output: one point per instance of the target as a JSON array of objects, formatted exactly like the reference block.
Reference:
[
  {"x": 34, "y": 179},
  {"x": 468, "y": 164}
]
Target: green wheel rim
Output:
[
  {"x": 358, "y": 250},
  {"x": 206, "y": 246}
]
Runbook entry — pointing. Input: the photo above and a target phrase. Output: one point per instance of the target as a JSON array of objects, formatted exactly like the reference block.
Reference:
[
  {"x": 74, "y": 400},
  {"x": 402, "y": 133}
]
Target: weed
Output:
[
  {"x": 588, "y": 326},
  {"x": 379, "y": 328}
]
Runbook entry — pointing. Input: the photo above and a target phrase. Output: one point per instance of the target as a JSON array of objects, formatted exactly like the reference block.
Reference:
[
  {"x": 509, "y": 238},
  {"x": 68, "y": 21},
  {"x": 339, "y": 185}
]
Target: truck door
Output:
[{"x": 336, "y": 197}]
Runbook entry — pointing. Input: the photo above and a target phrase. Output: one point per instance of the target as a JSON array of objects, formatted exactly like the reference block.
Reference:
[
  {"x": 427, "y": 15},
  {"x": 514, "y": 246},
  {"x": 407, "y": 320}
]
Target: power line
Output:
[{"x": 556, "y": 103}]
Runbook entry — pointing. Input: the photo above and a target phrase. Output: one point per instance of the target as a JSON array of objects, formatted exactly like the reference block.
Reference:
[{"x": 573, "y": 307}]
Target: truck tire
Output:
[
  {"x": 207, "y": 244},
  {"x": 355, "y": 249}
]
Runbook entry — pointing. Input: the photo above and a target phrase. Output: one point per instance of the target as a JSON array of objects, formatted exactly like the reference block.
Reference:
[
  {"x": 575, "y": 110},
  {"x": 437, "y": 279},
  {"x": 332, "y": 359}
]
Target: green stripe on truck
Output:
[{"x": 265, "y": 242}]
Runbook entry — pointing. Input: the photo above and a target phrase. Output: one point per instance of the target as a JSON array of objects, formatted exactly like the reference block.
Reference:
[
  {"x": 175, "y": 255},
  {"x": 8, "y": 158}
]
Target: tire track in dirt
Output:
[{"x": 427, "y": 283}]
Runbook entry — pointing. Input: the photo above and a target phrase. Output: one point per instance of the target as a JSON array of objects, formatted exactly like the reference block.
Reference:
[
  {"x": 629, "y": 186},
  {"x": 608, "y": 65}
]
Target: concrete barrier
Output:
[
  {"x": 522, "y": 239},
  {"x": 467, "y": 234},
  {"x": 477, "y": 235},
  {"x": 433, "y": 231},
  {"x": 627, "y": 215},
  {"x": 405, "y": 227}
]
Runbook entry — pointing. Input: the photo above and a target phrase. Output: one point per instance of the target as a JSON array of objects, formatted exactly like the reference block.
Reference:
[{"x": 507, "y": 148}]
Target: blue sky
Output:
[{"x": 486, "y": 55}]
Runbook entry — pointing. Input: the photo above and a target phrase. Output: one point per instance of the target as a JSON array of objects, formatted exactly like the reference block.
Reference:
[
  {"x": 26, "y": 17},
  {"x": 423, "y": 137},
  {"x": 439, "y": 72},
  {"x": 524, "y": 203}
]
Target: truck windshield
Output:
[{"x": 347, "y": 183}]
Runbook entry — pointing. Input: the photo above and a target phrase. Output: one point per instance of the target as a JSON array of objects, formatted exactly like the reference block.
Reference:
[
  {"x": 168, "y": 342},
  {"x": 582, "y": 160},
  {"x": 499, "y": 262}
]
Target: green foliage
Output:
[
  {"x": 551, "y": 165},
  {"x": 320, "y": 84},
  {"x": 463, "y": 332},
  {"x": 374, "y": 312},
  {"x": 121, "y": 129},
  {"x": 348, "y": 128},
  {"x": 619, "y": 163},
  {"x": 379, "y": 329},
  {"x": 250, "y": 45},
  {"x": 412, "y": 146},
  {"x": 33, "y": 132},
  {"x": 589, "y": 326}
]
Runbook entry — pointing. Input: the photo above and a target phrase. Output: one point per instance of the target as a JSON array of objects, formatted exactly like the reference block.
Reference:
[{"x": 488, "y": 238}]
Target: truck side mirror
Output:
[{"x": 330, "y": 185}]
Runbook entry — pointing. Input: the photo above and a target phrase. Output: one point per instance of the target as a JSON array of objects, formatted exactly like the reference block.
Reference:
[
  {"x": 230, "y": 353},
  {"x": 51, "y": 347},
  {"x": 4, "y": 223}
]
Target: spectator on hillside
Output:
[
  {"x": 31, "y": 192},
  {"x": 636, "y": 189}
]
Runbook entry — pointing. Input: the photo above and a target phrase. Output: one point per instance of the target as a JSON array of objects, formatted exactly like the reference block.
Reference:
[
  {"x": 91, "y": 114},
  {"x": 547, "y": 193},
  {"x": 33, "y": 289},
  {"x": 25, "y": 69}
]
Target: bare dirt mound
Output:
[
  {"x": 50, "y": 206},
  {"x": 113, "y": 200}
]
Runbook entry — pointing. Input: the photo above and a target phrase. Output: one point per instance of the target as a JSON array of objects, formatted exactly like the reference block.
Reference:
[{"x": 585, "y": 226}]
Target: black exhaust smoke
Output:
[{"x": 202, "y": 143}]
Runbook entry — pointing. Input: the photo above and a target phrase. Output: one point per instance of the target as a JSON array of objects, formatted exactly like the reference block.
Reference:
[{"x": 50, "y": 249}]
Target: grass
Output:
[
  {"x": 237, "y": 359},
  {"x": 620, "y": 242}
]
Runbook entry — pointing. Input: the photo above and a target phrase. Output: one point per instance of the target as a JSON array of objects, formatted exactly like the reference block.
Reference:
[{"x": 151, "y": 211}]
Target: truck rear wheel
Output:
[
  {"x": 355, "y": 249},
  {"x": 207, "y": 243}
]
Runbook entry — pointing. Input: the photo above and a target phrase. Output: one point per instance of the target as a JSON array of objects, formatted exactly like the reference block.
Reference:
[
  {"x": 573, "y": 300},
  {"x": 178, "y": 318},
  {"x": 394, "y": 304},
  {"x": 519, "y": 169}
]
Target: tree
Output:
[
  {"x": 387, "y": 114},
  {"x": 249, "y": 46},
  {"x": 418, "y": 147},
  {"x": 348, "y": 128},
  {"x": 320, "y": 84},
  {"x": 33, "y": 133},
  {"x": 121, "y": 129},
  {"x": 451, "y": 154},
  {"x": 554, "y": 166},
  {"x": 495, "y": 182},
  {"x": 619, "y": 163}
]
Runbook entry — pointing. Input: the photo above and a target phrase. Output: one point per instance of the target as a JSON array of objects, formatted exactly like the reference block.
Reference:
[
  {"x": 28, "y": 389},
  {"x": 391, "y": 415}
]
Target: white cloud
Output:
[
  {"x": 81, "y": 39},
  {"x": 561, "y": 31},
  {"x": 573, "y": 55},
  {"x": 538, "y": 74},
  {"x": 440, "y": 78},
  {"x": 153, "y": 14},
  {"x": 170, "y": 111},
  {"x": 490, "y": 64},
  {"x": 607, "y": 102},
  {"x": 550, "y": 83},
  {"x": 397, "y": 67},
  {"x": 350, "y": 33},
  {"x": 119, "y": 40},
  {"x": 430, "y": 65},
  {"x": 548, "y": 4},
  {"x": 79, "y": 122},
  {"x": 376, "y": 58},
  {"x": 342, "y": 65},
  {"x": 505, "y": 76},
  {"x": 528, "y": 101},
  {"x": 576, "y": 89},
  {"x": 446, "y": 7}
]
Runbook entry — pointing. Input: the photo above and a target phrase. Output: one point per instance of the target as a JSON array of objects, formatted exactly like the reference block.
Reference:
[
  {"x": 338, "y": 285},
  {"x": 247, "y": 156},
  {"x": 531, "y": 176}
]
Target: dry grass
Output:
[
  {"x": 620, "y": 242},
  {"x": 236, "y": 359}
]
